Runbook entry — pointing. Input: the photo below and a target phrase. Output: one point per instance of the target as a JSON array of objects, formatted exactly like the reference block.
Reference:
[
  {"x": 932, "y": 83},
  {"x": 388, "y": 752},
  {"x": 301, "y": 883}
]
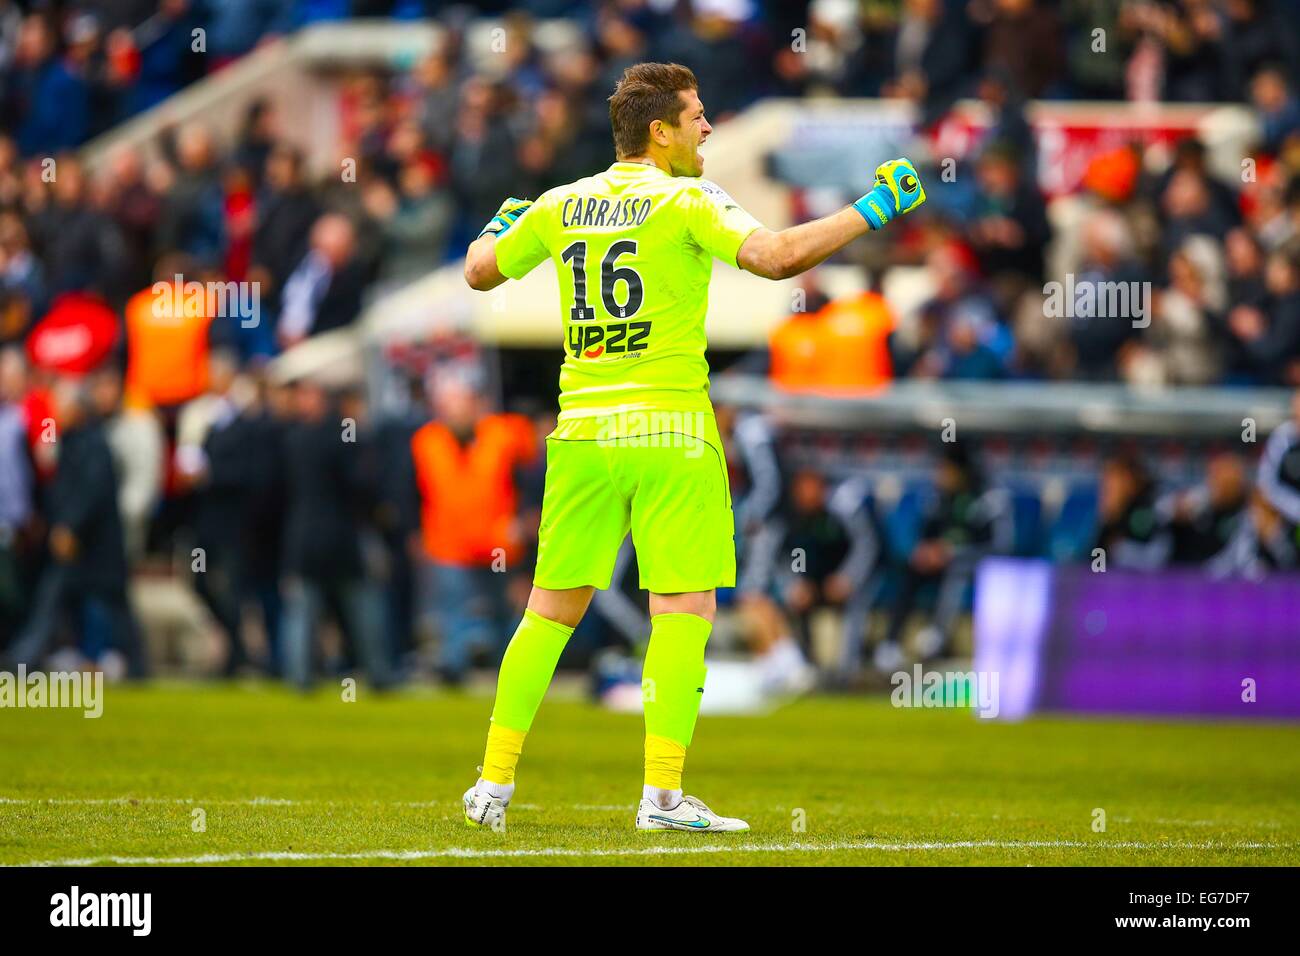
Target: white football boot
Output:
[
  {"x": 691, "y": 815},
  {"x": 484, "y": 810}
]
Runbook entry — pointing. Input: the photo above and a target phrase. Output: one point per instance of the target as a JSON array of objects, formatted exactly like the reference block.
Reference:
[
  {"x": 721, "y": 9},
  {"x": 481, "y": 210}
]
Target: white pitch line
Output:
[
  {"x": 474, "y": 853},
  {"x": 174, "y": 801},
  {"x": 1169, "y": 821},
  {"x": 283, "y": 802},
  {"x": 584, "y": 807}
]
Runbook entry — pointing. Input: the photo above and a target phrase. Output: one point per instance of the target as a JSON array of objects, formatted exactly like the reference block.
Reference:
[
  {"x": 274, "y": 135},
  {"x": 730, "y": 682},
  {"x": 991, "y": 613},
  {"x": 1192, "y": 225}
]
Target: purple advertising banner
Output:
[{"x": 1172, "y": 642}]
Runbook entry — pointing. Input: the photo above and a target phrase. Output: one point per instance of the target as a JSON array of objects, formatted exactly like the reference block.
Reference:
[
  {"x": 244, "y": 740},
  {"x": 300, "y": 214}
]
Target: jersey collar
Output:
[{"x": 623, "y": 167}]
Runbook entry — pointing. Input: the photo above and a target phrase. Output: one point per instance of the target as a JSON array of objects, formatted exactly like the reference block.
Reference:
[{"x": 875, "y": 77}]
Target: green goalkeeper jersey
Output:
[{"x": 634, "y": 249}]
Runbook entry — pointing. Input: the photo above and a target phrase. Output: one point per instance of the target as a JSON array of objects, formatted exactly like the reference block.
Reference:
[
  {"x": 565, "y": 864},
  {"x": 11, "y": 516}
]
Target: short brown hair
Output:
[{"x": 647, "y": 92}]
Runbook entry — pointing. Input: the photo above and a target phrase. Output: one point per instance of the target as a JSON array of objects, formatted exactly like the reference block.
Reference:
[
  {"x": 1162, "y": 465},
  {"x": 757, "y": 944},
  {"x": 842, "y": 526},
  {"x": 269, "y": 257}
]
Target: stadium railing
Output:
[{"x": 1023, "y": 408}]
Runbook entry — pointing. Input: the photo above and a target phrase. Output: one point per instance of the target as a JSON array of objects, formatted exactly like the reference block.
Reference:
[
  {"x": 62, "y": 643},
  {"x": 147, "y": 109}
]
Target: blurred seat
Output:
[
  {"x": 1026, "y": 520},
  {"x": 1075, "y": 526}
]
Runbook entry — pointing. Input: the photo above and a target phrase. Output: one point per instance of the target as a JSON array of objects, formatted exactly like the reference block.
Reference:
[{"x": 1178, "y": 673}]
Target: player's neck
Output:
[{"x": 649, "y": 161}]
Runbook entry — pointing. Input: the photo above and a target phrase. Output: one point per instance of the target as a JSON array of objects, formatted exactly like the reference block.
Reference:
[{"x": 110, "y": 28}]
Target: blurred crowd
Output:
[
  {"x": 262, "y": 525},
  {"x": 70, "y": 69},
  {"x": 283, "y": 527},
  {"x": 1203, "y": 249},
  {"x": 432, "y": 151},
  {"x": 1160, "y": 273},
  {"x": 143, "y": 439},
  {"x": 892, "y": 554}
]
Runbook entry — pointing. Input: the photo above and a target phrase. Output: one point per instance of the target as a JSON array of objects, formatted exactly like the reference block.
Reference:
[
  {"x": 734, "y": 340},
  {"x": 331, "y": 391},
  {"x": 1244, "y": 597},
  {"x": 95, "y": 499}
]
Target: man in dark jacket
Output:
[
  {"x": 80, "y": 247},
  {"x": 322, "y": 546},
  {"x": 1009, "y": 228},
  {"x": 1134, "y": 532},
  {"x": 194, "y": 216},
  {"x": 1267, "y": 336},
  {"x": 87, "y": 574},
  {"x": 224, "y": 475},
  {"x": 286, "y": 211},
  {"x": 932, "y": 55},
  {"x": 261, "y": 557},
  {"x": 1204, "y": 520},
  {"x": 47, "y": 101},
  {"x": 324, "y": 291},
  {"x": 833, "y": 545},
  {"x": 958, "y": 528},
  {"x": 398, "y": 519}
]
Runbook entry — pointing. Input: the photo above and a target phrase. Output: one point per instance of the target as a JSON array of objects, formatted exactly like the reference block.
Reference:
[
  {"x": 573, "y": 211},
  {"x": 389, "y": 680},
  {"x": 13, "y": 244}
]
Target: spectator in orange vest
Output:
[
  {"x": 797, "y": 351},
  {"x": 167, "y": 338},
  {"x": 465, "y": 467},
  {"x": 856, "y": 337},
  {"x": 841, "y": 347}
]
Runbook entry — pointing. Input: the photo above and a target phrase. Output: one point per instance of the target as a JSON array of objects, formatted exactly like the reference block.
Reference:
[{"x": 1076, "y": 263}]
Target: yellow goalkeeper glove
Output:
[
  {"x": 898, "y": 191},
  {"x": 506, "y": 216}
]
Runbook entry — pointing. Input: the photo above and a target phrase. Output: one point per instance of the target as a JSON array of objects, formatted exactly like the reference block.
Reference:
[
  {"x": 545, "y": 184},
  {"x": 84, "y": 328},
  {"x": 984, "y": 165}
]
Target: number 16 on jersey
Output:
[{"x": 586, "y": 339}]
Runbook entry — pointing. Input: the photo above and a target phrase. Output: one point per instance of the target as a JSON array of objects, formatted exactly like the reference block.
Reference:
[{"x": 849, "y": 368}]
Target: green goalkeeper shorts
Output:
[{"x": 663, "y": 476}]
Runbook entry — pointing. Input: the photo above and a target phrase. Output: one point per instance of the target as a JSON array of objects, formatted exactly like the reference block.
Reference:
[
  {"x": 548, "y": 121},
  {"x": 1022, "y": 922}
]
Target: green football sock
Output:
[
  {"x": 672, "y": 680},
  {"x": 527, "y": 669}
]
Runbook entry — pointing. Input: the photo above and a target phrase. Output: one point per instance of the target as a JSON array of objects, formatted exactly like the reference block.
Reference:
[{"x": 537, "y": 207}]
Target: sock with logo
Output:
[
  {"x": 671, "y": 687},
  {"x": 502, "y": 791},
  {"x": 526, "y": 672},
  {"x": 663, "y": 799}
]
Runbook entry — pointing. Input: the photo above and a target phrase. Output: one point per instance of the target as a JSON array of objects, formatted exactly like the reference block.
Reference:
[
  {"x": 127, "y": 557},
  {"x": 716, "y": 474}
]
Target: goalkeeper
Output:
[{"x": 636, "y": 446}]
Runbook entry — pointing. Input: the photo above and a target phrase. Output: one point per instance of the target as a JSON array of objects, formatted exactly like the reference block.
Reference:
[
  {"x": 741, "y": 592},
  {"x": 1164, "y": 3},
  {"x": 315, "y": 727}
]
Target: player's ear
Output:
[{"x": 658, "y": 133}]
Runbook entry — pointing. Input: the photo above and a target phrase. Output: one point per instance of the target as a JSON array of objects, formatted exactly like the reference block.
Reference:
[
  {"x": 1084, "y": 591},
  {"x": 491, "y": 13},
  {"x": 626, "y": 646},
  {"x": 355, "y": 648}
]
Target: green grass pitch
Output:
[{"x": 281, "y": 778}]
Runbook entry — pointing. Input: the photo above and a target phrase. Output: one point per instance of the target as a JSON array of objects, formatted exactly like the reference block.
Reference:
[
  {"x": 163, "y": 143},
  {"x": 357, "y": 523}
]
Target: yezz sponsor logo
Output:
[{"x": 593, "y": 341}]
